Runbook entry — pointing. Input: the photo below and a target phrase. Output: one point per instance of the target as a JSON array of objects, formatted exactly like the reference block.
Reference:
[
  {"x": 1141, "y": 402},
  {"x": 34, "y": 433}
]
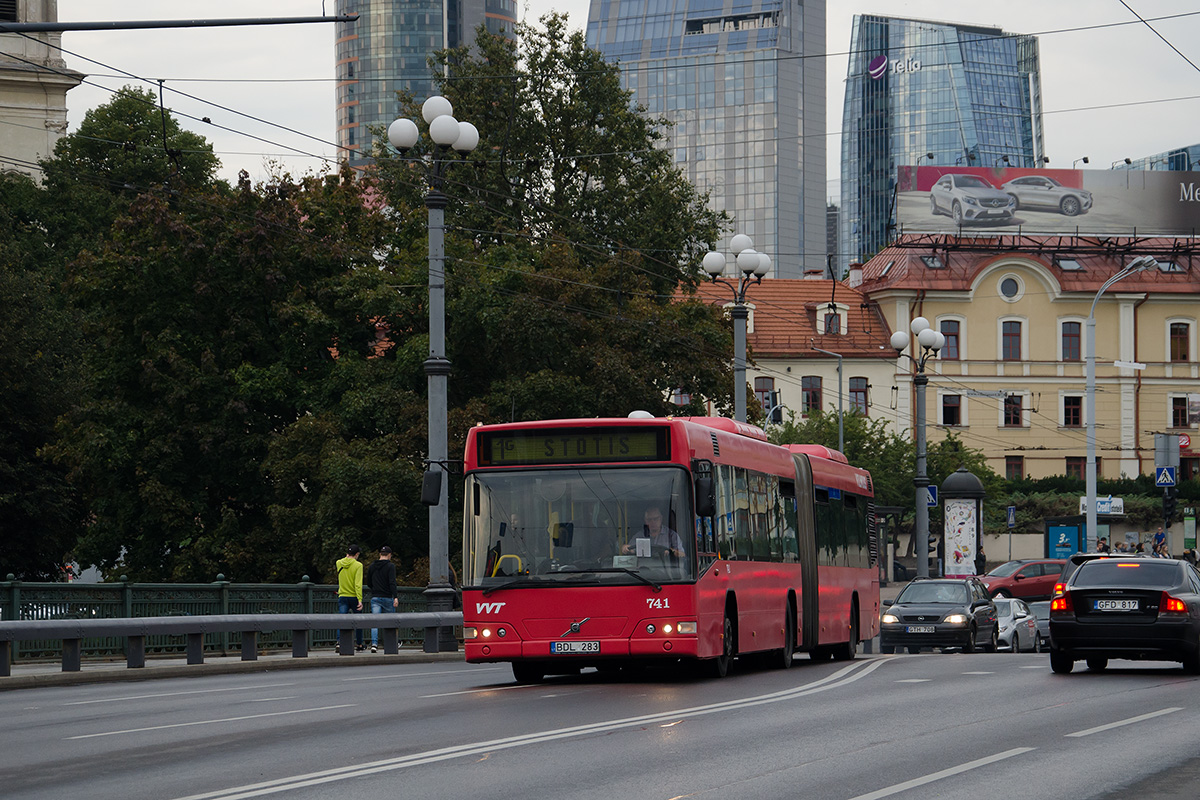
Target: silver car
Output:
[
  {"x": 1039, "y": 191},
  {"x": 970, "y": 198},
  {"x": 1018, "y": 626},
  {"x": 1041, "y": 610}
]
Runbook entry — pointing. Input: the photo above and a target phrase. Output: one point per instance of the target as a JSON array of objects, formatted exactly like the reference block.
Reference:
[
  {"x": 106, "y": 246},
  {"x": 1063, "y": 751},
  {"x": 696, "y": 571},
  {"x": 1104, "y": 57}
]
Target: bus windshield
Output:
[{"x": 578, "y": 526}]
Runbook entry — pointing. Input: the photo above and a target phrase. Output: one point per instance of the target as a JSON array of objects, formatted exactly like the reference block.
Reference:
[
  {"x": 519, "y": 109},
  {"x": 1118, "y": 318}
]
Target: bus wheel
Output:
[
  {"x": 783, "y": 659},
  {"x": 719, "y": 666},
  {"x": 528, "y": 672},
  {"x": 847, "y": 651}
]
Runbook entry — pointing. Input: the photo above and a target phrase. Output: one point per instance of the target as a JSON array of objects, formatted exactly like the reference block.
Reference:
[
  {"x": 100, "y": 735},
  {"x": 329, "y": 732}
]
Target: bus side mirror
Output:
[
  {"x": 706, "y": 504},
  {"x": 431, "y": 487}
]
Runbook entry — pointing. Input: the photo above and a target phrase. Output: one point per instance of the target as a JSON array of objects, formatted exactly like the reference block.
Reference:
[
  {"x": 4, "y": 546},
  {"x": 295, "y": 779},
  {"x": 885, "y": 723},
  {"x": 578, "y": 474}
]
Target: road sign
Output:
[
  {"x": 1164, "y": 476},
  {"x": 931, "y": 498},
  {"x": 1012, "y": 516}
]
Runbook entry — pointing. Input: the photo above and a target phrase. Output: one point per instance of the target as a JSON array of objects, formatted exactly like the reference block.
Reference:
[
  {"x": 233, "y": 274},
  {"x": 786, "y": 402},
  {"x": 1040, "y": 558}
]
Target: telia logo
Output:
[{"x": 879, "y": 65}]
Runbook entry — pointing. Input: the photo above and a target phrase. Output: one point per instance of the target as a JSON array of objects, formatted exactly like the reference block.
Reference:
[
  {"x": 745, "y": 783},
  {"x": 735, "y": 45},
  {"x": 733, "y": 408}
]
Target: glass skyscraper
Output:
[
  {"x": 747, "y": 107},
  {"x": 929, "y": 93},
  {"x": 387, "y": 49}
]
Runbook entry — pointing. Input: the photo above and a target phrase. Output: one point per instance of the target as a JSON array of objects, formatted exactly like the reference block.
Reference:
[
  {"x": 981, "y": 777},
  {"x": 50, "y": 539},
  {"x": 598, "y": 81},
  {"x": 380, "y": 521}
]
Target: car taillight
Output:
[
  {"x": 1059, "y": 588},
  {"x": 1062, "y": 603},
  {"x": 1171, "y": 605}
]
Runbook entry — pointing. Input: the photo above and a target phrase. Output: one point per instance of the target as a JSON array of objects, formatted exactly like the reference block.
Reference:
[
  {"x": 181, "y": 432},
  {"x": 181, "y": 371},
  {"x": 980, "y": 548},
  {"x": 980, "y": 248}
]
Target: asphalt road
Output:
[{"x": 930, "y": 726}]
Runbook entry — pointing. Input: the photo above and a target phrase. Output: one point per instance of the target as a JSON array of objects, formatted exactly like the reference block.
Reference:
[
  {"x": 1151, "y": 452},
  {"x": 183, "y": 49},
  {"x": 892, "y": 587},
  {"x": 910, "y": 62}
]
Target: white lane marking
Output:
[
  {"x": 1035, "y": 666},
  {"x": 979, "y": 673},
  {"x": 842, "y": 677},
  {"x": 415, "y": 674},
  {"x": 209, "y": 721},
  {"x": 1130, "y": 721},
  {"x": 269, "y": 699},
  {"x": 946, "y": 773},
  {"x": 914, "y": 680},
  {"x": 179, "y": 694},
  {"x": 479, "y": 691}
]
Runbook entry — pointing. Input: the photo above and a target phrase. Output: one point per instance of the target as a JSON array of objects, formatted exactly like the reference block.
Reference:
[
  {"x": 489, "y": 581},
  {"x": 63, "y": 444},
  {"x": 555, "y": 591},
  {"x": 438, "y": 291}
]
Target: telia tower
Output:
[{"x": 929, "y": 93}]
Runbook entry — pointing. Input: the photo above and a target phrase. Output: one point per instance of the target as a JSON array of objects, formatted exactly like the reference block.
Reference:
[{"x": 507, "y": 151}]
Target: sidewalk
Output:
[{"x": 49, "y": 673}]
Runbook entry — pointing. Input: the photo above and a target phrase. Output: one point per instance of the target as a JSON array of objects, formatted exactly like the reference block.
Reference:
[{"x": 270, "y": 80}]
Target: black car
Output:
[
  {"x": 1127, "y": 607},
  {"x": 940, "y": 613}
]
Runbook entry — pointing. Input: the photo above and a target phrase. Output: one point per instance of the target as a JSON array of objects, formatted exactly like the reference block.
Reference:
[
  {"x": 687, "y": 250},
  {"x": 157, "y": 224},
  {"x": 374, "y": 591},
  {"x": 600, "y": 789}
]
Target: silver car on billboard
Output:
[
  {"x": 1042, "y": 192},
  {"x": 970, "y": 198}
]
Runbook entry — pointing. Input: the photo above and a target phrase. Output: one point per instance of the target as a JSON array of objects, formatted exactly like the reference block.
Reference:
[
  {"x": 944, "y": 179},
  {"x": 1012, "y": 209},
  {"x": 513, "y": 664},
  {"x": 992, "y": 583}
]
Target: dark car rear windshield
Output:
[{"x": 1115, "y": 572}]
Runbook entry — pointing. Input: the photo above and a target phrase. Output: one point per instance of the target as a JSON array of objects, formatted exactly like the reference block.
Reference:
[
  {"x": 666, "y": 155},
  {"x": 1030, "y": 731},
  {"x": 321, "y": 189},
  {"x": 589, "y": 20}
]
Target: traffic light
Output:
[
  {"x": 775, "y": 412},
  {"x": 1169, "y": 502}
]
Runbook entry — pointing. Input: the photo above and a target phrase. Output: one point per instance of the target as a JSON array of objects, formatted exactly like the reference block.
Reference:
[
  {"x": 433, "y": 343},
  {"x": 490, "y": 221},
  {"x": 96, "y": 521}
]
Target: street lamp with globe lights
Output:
[
  {"x": 931, "y": 342},
  {"x": 1133, "y": 267},
  {"x": 753, "y": 265},
  {"x": 447, "y": 133}
]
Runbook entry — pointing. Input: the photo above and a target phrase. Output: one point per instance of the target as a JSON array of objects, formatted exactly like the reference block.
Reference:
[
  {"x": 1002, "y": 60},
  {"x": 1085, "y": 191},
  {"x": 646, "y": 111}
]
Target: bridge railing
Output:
[
  {"x": 27, "y": 601},
  {"x": 246, "y": 628}
]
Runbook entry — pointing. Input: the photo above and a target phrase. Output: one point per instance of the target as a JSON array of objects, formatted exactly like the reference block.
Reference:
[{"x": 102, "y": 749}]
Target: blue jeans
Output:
[
  {"x": 349, "y": 605},
  {"x": 379, "y": 605}
]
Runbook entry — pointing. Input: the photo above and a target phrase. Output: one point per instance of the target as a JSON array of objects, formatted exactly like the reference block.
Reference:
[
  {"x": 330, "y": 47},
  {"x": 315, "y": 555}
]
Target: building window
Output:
[
  {"x": 1072, "y": 411},
  {"x": 950, "y": 331},
  {"x": 1010, "y": 341},
  {"x": 833, "y": 323},
  {"x": 762, "y": 390},
  {"x": 858, "y": 395},
  {"x": 1179, "y": 412},
  {"x": 1180, "y": 334},
  {"x": 810, "y": 388},
  {"x": 681, "y": 397},
  {"x": 1012, "y": 411},
  {"x": 952, "y": 409},
  {"x": 8, "y": 11},
  {"x": 1077, "y": 467},
  {"x": 1014, "y": 467},
  {"x": 1071, "y": 350}
]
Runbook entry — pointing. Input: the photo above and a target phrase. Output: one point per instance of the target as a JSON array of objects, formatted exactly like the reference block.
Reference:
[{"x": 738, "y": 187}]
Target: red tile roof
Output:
[
  {"x": 785, "y": 318},
  {"x": 1098, "y": 258}
]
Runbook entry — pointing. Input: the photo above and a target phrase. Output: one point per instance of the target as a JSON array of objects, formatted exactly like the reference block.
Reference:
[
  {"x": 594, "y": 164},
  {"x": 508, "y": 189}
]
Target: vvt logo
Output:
[
  {"x": 877, "y": 67},
  {"x": 488, "y": 608}
]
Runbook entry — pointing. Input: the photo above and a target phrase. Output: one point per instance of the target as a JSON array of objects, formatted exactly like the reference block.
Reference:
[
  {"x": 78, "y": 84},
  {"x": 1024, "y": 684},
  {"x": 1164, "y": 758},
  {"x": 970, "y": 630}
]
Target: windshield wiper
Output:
[
  {"x": 523, "y": 581},
  {"x": 635, "y": 574}
]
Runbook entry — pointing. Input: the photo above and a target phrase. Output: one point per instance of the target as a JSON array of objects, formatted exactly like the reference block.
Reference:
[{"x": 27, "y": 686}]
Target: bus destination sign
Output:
[{"x": 573, "y": 446}]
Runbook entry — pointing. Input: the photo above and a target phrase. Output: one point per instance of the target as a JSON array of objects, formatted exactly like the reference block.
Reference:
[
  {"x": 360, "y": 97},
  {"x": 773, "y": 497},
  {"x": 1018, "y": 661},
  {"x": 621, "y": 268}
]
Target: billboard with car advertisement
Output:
[{"x": 978, "y": 200}]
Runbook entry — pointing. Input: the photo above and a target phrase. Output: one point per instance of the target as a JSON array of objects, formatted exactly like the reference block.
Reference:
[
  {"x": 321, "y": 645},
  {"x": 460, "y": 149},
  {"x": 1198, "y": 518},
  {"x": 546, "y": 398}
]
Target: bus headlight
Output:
[
  {"x": 686, "y": 628},
  {"x": 470, "y": 633}
]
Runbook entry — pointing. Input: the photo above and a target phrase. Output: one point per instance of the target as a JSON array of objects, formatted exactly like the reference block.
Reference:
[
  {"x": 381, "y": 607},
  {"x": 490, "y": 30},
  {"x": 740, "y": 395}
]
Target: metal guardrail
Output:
[
  {"x": 72, "y": 632},
  {"x": 21, "y": 600}
]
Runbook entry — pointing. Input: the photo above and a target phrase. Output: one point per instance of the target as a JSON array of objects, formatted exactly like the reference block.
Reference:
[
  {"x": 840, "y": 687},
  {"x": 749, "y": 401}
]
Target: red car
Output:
[{"x": 1028, "y": 579}]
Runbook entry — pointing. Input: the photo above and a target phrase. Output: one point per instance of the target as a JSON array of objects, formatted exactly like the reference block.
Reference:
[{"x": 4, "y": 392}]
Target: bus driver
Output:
[{"x": 658, "y": 535}]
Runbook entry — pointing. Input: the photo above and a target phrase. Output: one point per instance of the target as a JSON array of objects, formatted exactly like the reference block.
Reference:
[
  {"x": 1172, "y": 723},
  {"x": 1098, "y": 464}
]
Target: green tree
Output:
[
  {"x": 213, "y": 322},
  {"x": 39, "y": 512},
  {"x": 571, "y": 238}
]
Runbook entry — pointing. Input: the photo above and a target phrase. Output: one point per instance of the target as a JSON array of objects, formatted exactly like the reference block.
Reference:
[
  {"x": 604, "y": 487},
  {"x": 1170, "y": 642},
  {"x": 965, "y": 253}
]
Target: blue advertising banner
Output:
[{"x": 1063, "y": 540}]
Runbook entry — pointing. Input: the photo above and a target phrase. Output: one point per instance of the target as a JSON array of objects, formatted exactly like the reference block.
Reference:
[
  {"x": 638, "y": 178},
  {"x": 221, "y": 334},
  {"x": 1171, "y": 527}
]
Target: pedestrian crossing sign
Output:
[{"x": 1164, "y": 476}]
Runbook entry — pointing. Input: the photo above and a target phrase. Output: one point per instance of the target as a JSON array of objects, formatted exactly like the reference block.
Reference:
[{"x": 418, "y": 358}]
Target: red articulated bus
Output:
[{"x": 615, "y": 542}]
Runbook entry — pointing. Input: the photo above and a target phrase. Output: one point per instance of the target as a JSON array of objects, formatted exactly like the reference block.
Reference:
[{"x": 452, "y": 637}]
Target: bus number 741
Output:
[{"x": 657, "y": 602}]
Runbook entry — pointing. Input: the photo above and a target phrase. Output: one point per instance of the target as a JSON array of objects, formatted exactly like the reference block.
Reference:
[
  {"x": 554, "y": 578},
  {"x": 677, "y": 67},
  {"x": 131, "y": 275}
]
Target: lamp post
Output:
[
  {"x": 446, "y": 132},
  {"x": 1137, "y": 265},
  {"x": 930, "y": 342},
  {"x": 1076, "y": 161},
  {"x": 998, "y": 160},
  {"x": 753, "y": 266}
]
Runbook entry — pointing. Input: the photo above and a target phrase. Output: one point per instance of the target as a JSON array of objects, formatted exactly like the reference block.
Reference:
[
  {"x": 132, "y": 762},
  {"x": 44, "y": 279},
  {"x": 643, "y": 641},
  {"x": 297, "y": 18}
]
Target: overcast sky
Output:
[{"x": 1108, "y": 93}]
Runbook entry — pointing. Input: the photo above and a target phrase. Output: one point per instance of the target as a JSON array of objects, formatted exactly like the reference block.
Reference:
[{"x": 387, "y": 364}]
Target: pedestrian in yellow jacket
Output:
[{"x": 350, "y": 582}]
